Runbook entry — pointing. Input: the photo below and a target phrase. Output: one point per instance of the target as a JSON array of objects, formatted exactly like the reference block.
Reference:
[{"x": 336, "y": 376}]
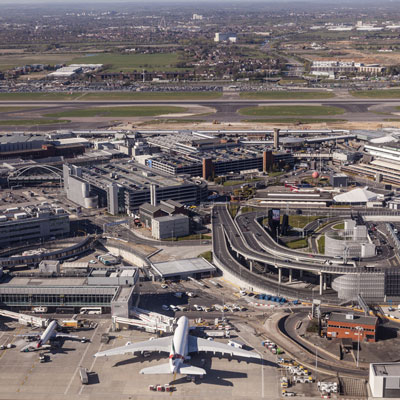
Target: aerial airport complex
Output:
[{"x": 171, "y": 253}]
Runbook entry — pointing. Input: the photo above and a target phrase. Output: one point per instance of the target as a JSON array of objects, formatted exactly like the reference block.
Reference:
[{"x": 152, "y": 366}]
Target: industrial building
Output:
[
  {"x": 339, "y": 180},
  {"x": 351, "y": 326},
  {"x": 148, "y": 212},
  {"x": 196, "y": 268},
  {"x": 123, "y": 188},
  {"x": 170, "y": 226},
  {"x": 384, "y": 380},
  {"x": 20, "y": 225}
]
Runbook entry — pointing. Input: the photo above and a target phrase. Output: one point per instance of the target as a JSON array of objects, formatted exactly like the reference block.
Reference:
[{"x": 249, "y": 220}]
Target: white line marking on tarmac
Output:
[
  {"x": 91, "y": 367},
  {"x": 80, "y": 361},
  {"x": 262, "y": 364}
]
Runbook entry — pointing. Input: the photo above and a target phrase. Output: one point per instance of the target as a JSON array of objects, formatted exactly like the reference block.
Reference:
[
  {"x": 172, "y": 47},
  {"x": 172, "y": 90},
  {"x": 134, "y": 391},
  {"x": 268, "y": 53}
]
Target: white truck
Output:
[{"x": 218, "y": 334}]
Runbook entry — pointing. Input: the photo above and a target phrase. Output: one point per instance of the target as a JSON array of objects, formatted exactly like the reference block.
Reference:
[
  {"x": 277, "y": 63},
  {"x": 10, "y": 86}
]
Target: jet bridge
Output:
[{"x": 24, "y": 319}]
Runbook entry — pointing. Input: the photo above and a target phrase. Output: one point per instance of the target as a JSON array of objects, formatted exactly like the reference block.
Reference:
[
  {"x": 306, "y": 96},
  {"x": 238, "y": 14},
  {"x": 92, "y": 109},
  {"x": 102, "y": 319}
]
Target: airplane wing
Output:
[
  {"x": 160, "y": 345},
  {"x": 66, "y": 336},
  {"x": 30, "y": 335},
  {"x": 197, "y": 344}
]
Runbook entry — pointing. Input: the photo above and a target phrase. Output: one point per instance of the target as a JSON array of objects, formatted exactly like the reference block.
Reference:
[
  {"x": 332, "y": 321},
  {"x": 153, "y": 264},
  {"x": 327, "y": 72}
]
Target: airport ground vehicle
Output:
[
  {"x": 83, "y": 375},
  {"x": 91, "y": 310}
]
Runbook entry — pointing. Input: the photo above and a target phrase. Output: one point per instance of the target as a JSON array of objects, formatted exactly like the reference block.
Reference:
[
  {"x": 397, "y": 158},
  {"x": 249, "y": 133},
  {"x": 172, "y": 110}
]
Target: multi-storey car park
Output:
[{"x": 123, "y": 187}]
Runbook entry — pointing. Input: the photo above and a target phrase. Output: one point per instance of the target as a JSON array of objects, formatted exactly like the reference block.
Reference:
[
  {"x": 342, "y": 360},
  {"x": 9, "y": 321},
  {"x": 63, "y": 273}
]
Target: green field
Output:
[
  {"x": 339, "y": 226},
  {"x": 282, "y": 111},
  {"x": 207, "y": 255},
  {"x": 31, "y": 122},
  {"x": 151, "y": 96},
  {"x": 284, "y": 94},
  {"x": 130, "y": 62},
  {"x": 300, "y": 221},
  {"x": 135, "y": 111},
  {"x": 294, "y": 121},
  {"x": 321, "y": 244},
  {"x": 17, "y": 60},
  {"x": 39, "y": 96},
  {"x": 241, "y": 182},
  {"x": 112, "y": 96},
  {"x": 297, "y": 244},
  {"x": 377, "y": 94},
  {"x": 12, "y": 109}
]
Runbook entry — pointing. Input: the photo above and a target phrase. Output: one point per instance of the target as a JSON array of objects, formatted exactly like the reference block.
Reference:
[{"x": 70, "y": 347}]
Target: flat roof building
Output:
[
  {"x": 32, "y": 222},
  {"x": 384, "y": 380},
  {"x": 124, "y": 188},
  {"x": 182, "y": 269},
  {"x": 352, "y": 326}
]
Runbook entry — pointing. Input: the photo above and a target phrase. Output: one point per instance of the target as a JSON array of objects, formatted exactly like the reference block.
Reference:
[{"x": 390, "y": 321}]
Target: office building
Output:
[
  {"x": 123, "y": 188},
  {"x": 21, "y": 225},
  {"x": 351, "y": 326}
]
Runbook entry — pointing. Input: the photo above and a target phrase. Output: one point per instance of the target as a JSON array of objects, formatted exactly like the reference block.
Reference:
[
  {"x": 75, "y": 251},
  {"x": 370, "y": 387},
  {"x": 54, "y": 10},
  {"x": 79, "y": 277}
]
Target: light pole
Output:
[{"x": 359, "y": 329}]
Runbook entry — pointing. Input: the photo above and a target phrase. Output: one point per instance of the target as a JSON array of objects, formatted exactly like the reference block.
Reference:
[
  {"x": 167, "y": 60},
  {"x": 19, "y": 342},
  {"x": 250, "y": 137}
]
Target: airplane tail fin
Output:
[
  {"x": 158, "y": 369},
  {"x": 186, "y": 369}
]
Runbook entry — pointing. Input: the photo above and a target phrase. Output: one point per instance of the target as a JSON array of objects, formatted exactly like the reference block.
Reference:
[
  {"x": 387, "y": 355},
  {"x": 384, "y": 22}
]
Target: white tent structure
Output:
[{"x": 356, "y": 196}]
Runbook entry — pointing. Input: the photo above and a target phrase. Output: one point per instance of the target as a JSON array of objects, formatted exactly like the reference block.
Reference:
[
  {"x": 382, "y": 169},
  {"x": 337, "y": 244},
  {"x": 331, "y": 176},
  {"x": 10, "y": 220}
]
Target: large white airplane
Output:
[
  {"x": 42, "y": 338},
  {"x": 179, "y": 346}
]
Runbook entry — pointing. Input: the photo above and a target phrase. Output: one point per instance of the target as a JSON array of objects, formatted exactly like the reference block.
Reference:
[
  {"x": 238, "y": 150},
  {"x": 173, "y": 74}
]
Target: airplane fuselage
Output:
[{"x": 179, "y": 348}]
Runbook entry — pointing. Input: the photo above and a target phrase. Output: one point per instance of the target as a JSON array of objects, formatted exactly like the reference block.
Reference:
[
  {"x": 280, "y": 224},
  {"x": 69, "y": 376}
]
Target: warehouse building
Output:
[
  {"x": 170, "y": 226},
  {"x": 196, "y": 268},
  {"x": 351, "y": 326}
]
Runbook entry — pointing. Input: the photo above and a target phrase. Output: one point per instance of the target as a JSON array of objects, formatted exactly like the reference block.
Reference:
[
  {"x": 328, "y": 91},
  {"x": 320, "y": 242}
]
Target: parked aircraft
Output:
[{"x": 179, "y": 346}]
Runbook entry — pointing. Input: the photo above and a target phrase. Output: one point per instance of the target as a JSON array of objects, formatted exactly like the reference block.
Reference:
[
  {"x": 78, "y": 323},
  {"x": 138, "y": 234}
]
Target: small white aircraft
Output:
[
  {"x": 42, "y": 338},
  {"x": 179, "y": 346}
]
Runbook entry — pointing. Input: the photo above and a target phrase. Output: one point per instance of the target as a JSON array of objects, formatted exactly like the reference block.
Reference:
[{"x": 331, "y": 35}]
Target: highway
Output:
[{"x": 277, "y": 255}]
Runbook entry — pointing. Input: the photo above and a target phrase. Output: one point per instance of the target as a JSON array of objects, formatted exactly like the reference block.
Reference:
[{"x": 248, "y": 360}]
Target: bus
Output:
[{"x": 91, "y": 310}]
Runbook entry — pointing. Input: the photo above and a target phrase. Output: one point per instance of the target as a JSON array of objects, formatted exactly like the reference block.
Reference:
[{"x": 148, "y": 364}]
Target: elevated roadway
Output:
[{"x": 249, "y": 241}]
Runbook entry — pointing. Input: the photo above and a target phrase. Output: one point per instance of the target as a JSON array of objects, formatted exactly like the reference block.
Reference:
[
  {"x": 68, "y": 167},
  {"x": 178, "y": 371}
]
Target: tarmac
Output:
[{"x": 22, "y": 376}]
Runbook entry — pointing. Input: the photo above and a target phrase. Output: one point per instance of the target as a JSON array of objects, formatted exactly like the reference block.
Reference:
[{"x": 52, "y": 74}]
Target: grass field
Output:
[
  {"x": 151, "y": 96},
  {"x": 207, "y": 255},
  {"x": 282, "y": 111},
  {"x": 131, "y": 62},
  {"x": 294, "y": 121},
  {"x": 112, "y": 96},
  {"x": 286, "y": 95},
  {"x": 12, "y": 109},
  {"x": 377, "y": 94},
  {"x": 297, "y": 244},
  {"x": 242, "y": 182},
  {"x": 39, "y": 96},
  {"x": 18, "y": 60},
  {"x": 190, "y": 237},
  {"x": 339, "y": 226},
  {"x": 31, "y": 122},
  {"x": 321, "y": 244},
  {"x": 135, "y": 111},
  {"x": 300, "y": 221}
]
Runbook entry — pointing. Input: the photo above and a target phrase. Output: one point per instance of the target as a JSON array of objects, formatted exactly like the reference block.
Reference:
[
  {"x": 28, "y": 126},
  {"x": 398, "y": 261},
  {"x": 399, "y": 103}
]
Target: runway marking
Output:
[{"x": 80, "y": 361}]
